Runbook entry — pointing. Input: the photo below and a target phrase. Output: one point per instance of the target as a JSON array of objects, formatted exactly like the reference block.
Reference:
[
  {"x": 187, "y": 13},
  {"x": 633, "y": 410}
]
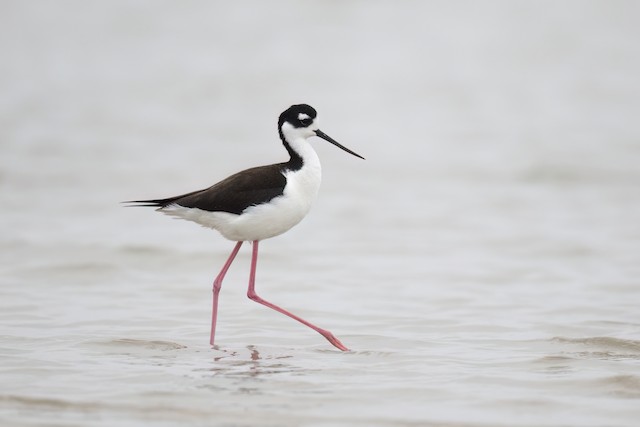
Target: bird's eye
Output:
[{"x": 306, "y": 121}]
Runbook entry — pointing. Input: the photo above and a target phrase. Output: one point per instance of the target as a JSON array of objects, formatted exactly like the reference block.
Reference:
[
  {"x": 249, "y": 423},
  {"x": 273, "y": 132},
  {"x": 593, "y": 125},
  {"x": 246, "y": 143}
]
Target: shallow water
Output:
[{"x": 482, "y": 263}]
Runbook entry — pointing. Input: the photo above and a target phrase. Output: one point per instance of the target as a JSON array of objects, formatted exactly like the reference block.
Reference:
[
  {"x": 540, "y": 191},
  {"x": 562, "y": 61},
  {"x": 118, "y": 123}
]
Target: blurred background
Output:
[{"x": 482, "y": 263}]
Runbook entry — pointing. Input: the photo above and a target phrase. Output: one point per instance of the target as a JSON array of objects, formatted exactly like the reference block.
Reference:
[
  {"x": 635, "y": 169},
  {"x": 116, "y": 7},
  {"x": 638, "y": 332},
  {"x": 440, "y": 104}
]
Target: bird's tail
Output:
[
  {"x": 158, "y": 203},
  {"x": 154, "y": 203}
]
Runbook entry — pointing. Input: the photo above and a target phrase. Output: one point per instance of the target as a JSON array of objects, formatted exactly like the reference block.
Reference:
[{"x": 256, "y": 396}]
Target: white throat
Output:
[{"x": 297, "y": 138}]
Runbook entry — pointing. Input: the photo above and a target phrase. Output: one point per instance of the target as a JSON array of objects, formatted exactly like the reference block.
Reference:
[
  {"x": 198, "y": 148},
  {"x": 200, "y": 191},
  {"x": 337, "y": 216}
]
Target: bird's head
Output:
[{"x": 300, "y": 121}]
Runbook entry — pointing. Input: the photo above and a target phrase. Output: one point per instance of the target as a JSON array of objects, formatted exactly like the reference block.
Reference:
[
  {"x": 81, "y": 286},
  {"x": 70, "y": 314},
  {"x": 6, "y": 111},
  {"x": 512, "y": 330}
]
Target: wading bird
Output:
[{"x": 260, "y": 202}]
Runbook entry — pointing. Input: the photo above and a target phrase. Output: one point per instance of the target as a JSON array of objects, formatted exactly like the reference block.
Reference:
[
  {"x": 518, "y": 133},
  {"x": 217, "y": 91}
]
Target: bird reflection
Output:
[
  {"x": 255, "y": 354},
  {"x": 234, "y": 363}
]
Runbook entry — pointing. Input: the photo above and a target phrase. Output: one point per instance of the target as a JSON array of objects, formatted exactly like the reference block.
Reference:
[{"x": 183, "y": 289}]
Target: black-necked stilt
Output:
[{"x": 260, "y": 202}]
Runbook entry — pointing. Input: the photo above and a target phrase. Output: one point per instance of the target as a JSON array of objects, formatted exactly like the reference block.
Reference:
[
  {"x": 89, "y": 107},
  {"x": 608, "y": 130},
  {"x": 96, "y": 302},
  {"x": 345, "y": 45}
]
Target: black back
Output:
[{"x": 234, "y": 194}]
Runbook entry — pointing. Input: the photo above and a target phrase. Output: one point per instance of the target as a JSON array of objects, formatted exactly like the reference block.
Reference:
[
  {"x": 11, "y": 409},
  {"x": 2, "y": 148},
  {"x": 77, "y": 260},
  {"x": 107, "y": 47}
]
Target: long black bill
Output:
[{"x": 336, "y": 143}]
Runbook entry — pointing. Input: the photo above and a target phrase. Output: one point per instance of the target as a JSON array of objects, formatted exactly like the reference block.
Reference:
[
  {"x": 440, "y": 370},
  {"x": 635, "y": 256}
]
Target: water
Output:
[{"x": 482, "y": 263}]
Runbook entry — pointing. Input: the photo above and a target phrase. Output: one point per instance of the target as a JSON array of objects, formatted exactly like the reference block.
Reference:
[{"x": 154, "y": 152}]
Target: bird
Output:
[{"x": 259, "y": 203}]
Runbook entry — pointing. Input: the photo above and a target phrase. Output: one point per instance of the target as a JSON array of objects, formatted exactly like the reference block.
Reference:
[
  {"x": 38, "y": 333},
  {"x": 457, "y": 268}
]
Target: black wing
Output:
[{"x": 234, "y": 194}]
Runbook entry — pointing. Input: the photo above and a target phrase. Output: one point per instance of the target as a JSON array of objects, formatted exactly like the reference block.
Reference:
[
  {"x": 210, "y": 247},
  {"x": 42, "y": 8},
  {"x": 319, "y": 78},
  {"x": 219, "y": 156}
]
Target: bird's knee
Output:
[{"x": 253, "y": 296}]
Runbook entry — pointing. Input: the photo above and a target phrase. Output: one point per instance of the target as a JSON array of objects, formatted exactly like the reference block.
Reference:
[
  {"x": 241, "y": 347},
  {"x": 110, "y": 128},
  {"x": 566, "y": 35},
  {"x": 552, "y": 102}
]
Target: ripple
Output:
[
  {"x": 48, "y": 403},
  {"x": 603, "y": 348},
  {"x": 130, "y": 343},
  {"x": 621, "y": 385},
  {"x": 604, "y": 343}
]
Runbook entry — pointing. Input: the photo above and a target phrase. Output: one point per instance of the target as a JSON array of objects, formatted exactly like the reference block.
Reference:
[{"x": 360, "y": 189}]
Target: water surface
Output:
[{"x": 482, "y": 263}]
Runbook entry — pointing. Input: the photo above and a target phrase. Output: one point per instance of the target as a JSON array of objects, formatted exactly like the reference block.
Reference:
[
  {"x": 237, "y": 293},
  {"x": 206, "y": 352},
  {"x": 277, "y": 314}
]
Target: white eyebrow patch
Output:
[{"x": 303, "y": 116}]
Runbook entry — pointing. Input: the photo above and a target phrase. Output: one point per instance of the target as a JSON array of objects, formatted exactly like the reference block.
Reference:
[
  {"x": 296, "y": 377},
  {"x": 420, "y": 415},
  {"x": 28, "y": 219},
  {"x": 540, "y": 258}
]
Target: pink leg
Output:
[
  {"x": 217, "y": 284},
  {"x": 251, "y": 293}
]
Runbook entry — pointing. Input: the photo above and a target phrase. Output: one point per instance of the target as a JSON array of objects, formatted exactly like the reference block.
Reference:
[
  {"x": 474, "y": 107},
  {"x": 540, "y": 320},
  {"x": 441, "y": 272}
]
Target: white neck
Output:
[{"x": 309, "y": 156}]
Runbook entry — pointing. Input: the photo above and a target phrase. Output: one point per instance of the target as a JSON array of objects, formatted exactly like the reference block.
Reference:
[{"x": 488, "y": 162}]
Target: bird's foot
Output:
[{"x": 333, "y": 340}]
